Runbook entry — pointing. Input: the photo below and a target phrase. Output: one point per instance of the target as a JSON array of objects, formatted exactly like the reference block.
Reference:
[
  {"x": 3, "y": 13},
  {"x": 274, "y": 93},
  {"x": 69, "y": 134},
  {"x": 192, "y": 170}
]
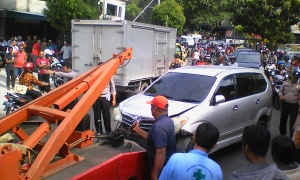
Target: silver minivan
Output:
[{"x": 230, "y": 98}]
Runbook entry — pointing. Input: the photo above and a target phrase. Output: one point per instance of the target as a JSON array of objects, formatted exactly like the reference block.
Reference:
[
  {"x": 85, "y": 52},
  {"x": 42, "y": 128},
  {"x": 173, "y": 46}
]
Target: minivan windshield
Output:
[{"x": 192, "y": 88}]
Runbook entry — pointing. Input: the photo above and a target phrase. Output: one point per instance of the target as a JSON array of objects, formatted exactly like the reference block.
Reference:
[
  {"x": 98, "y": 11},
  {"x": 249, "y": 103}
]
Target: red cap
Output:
[{"x": 160, "y": 102}]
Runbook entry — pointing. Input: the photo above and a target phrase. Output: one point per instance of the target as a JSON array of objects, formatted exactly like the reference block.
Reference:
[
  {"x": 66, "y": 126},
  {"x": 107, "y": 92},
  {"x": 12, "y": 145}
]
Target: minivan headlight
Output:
[
  {"x": 179, "y": 122},
  {"x": 117, "y": 116}
]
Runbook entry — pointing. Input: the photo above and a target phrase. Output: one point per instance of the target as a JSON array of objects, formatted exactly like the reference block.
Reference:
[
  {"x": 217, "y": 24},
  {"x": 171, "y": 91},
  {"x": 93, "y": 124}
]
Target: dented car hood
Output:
[{"x": 136, "y": 105}]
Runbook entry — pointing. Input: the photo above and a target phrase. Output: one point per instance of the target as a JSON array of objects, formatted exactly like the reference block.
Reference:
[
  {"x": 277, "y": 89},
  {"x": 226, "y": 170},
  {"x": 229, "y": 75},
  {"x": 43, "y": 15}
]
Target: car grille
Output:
[{"x": 145, "y": 123}]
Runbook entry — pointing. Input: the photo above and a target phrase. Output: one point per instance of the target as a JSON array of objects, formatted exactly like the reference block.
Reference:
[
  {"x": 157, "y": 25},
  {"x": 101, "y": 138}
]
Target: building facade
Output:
[{"x": 23, "y": 18}]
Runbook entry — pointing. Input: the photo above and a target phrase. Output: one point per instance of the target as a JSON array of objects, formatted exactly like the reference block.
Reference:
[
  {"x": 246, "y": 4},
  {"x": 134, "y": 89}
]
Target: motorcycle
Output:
[
  {"x": 14, "y": 102},
  {"x": 277, "y": 83},
  {"x": 57, "y": 80}
]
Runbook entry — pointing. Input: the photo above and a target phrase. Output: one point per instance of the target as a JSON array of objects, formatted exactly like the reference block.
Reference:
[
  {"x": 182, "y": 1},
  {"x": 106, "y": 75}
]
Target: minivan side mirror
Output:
[{"x": 219, "y": 99}]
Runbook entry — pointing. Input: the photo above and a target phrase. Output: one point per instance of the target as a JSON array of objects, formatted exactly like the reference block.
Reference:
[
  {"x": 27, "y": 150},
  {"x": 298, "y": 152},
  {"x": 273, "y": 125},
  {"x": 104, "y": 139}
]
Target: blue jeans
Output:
[{"x": 18, "y": 71}]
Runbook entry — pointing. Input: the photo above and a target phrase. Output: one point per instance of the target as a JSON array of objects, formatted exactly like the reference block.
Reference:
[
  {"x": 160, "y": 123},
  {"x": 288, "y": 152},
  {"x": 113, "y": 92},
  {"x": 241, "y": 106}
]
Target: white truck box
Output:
[{"x": 95, "y": 41}]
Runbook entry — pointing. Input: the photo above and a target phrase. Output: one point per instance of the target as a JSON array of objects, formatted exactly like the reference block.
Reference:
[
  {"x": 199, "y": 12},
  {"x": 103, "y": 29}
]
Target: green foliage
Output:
[
  {"x": 271, "y": 19},
  {"x": 208, "y": 12},
  {"x": 59, "y": 13},
  {"x": 169, "y": 13},
  {"x": 132, "y": 11}
]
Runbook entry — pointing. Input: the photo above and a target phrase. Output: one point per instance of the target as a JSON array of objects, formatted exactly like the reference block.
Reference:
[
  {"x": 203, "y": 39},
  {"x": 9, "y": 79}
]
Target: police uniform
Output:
[
  {"x": 289, "y": 106},
  {"x": 102, "y": 105}
]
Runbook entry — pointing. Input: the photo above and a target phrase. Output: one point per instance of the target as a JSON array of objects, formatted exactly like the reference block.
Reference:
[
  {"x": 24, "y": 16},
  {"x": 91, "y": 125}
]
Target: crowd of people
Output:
[
  {"x": 166, "y": 164},
  {"x": 256, "y": 139},
  {"x": 25, "y": 57},
  {"x": 203, "y": 56}
]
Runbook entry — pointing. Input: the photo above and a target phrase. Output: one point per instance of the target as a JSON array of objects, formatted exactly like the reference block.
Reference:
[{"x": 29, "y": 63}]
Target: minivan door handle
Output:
[
  {"x": 235, "y": 107},
  {"x": 257, "y": 101}
]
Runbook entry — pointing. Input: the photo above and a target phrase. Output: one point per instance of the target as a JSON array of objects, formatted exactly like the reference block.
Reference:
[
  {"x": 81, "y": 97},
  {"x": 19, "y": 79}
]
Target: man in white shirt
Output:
[
  {"x": 232, "y": 62},
  {"x": 66, "y": 50}
]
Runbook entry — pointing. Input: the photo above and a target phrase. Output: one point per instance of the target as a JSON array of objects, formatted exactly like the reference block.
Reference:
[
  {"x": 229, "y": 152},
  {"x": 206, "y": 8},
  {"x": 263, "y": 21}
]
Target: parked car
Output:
[
  {"x": 213, "y": 41},
  {"x": 249, "y": 59},
  {"x": 188, "y": 39},
  {"x": 292, "y": 54},
  {"x": 238, "y": 50},
  {"x": 221, "y": 42},
  {"x": 229, "y": 97}
]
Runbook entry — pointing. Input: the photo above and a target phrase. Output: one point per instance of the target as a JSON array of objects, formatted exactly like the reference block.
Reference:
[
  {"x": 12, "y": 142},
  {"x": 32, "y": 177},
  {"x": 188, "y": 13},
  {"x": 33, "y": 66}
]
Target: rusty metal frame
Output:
[{"x": 89, "y": 87}]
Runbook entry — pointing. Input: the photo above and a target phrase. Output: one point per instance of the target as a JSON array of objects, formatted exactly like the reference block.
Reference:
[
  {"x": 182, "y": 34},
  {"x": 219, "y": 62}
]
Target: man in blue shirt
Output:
[
  {"x": 161, "y": 137},
  {"x": 195, "y": 164}
]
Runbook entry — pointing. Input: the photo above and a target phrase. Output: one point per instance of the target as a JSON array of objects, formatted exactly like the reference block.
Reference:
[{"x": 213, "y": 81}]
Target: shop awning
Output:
[{"x": 21, "y": 15}]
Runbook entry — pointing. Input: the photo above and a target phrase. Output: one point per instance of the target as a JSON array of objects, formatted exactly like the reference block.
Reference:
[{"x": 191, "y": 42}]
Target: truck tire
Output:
[
  {"x": 144, "y": 86},
  {"x": 184, "y": 144}
]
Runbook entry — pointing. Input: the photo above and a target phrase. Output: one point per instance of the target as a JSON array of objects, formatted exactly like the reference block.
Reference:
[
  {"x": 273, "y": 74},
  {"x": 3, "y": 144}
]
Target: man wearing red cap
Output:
[{"x": 160, "y": 138}]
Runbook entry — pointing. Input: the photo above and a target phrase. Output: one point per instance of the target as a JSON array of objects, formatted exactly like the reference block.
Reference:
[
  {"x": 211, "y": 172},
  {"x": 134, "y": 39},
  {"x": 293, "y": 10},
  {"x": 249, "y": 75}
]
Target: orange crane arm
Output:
[{"x": 89, "y": 86}]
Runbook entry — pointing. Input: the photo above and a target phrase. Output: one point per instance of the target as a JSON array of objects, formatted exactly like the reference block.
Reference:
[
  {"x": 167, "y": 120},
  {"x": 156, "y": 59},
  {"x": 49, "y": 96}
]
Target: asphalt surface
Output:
[{"x": 229, "y": 158}]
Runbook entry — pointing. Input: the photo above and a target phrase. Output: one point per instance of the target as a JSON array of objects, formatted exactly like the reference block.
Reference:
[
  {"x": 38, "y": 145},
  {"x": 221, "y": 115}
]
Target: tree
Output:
[
  {"x": 199, "y": 12},
  {"x": 59, "y": 14},
  {"x": 169, "y": 13},
  {"x": 132, "y": 11},
  {"x": 271, "y": 19}
]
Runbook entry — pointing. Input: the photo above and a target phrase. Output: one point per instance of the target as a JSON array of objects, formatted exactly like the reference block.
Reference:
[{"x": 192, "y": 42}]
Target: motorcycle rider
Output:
[
  {"x": 67, "y": 73},
  {"x": 273, "y": 57},
  {"x": 270, "y": 68},
  {"x": 233, "y": 62},
  {"x": 176, "y": 62},
  {"x": 280, "y": 71},
  {"x": 221, "y": 61},
  {"x": 196, "y": 57},
  {"x": 28, "y": 79}
]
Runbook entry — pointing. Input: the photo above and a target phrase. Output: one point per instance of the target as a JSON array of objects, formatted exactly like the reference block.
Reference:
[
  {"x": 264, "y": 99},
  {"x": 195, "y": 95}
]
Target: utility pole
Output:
[{"x": 103, "y": 9}]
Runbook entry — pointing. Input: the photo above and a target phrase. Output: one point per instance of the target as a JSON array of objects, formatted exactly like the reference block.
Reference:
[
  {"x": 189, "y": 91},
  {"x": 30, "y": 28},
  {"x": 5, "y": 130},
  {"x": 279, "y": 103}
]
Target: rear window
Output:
[
  {"x": 248, "y": 58},
  {"x": 237, "y": 51},
  {"x": 183, "y": 87}
]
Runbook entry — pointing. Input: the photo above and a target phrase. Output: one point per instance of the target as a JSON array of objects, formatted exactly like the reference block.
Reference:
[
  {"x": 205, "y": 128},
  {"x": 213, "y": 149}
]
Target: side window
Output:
[
  {"x": 261, "y": 84},
  {"x": 245, "y": 85},
  {"x": 226, "y": 88}
]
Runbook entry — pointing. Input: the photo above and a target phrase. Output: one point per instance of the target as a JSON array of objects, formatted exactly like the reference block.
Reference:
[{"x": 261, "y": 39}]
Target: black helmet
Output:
[
  {"x": 232, "y": 58},
  {"x": 295, "y": 74}
]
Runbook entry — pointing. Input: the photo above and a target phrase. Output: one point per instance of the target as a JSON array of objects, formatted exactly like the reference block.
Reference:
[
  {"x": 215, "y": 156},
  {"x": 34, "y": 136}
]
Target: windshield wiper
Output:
[
  {"x": 188, "y": 100},
  {"x": 150, "y": 94}
]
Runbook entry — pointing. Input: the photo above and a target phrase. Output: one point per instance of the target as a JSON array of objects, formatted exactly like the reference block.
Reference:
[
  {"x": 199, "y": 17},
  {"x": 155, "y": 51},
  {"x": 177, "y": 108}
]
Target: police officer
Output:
[
  {"x": 102, "y": 105},
  {"x": 289, "y": 94}
]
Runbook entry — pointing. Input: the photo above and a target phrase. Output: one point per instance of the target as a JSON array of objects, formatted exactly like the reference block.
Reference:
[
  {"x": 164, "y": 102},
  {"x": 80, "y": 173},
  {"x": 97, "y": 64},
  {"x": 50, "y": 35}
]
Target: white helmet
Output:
[{"x": 48, "y": 52}]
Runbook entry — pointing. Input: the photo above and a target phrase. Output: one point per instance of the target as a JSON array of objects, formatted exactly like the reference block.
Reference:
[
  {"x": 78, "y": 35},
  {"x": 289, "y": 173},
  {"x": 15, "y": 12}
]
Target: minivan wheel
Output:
[{"x": 184, "y": 144}]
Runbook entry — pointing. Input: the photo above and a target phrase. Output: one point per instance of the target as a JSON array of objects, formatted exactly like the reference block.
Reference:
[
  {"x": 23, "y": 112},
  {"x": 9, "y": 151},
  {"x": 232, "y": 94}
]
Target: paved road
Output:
[{"x": 229, "y": 158}]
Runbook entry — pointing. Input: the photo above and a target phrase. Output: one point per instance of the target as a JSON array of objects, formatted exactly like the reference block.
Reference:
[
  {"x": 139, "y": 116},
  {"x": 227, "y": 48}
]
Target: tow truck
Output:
[{"x": 34, "y": 157}]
